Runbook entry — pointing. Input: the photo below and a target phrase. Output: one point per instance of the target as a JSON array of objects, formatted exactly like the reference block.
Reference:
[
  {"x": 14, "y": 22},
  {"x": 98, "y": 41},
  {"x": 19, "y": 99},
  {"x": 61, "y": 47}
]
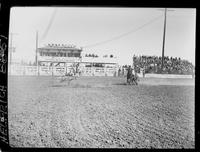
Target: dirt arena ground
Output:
[{"x": 101, "y": 112}]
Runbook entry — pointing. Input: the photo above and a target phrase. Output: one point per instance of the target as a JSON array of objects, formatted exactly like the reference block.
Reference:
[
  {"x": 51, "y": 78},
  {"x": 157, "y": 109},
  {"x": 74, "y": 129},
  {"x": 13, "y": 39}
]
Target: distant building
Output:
[
  {"x": 55, "y": 54},
  {"x": 56, "y": 59},
  {"x": 101, "y": 61},
  {"x": 99, "y": 66}
]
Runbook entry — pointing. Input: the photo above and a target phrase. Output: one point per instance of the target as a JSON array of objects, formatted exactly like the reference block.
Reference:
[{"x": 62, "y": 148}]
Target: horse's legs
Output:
[
  {"x": 129, "y": 81},
  {"x": 133, "y": 81}
]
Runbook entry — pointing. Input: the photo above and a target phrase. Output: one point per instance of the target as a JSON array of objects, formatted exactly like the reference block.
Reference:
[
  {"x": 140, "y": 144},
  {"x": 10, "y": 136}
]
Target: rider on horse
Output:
[{"x": 132, "y": 76}]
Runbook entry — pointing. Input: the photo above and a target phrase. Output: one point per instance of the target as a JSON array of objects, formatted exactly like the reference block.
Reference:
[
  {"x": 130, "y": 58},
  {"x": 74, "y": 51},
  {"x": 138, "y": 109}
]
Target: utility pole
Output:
[
  {"x": 36, "y": 50},
  {"x": 36, "y": 53},
  {"x": 163, "y": 47},
  {"x": 11, "y": 49}
]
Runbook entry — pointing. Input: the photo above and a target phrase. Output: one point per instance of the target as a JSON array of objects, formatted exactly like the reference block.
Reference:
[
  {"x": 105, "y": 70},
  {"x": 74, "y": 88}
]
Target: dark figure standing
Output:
[
  {"x": 129, "y": 73},
  {"x": 119, "y": 72},
  {"x": 143, "y": 72}
]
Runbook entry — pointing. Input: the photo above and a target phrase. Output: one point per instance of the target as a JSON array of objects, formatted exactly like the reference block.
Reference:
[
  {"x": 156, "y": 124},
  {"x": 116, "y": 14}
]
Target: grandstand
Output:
[{"x": 172, "y": 65}]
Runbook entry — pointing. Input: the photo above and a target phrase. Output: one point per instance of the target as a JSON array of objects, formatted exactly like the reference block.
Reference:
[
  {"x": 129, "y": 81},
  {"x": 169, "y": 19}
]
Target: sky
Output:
[{"x": 122, "y": 32}]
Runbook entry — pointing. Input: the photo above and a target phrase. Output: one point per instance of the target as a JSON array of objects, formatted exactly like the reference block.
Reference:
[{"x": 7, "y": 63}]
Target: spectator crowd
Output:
[{"x": 152, "y": 64}]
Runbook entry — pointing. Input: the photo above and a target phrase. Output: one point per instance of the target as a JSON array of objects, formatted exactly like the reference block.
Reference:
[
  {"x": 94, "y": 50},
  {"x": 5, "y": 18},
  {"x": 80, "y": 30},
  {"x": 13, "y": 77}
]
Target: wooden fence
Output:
[{"x": 56, "y": 71}]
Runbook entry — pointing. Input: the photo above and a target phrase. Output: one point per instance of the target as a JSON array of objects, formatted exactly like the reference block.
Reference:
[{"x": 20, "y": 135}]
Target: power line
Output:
[
  {"x": 124, "y": 34},
  {"x": 50, "y": 23}
]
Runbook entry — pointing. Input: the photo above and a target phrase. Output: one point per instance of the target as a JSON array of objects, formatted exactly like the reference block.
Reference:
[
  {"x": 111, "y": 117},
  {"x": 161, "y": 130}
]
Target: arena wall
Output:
[{"x": 166, "y": 76}]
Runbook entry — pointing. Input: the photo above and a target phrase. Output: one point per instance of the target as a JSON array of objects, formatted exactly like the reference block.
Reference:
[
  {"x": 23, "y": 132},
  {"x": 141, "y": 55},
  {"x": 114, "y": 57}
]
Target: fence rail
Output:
[
  {"x": 85, "y": 71},
  {"x": 54, "y": 71}
]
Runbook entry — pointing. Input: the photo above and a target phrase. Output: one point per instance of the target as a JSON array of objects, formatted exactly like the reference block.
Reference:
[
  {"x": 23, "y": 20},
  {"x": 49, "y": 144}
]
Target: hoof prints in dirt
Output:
[{"x": 109, "y": 115}]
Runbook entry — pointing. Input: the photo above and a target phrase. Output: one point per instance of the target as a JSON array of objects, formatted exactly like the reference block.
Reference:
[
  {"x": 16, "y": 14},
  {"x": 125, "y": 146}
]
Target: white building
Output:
[{"x": 54, "y": 56}]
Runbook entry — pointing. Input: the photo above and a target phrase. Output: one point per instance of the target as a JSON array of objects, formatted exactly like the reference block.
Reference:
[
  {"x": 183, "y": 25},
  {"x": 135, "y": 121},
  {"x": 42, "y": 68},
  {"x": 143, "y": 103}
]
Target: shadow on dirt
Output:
[
  {"x": 59, "y": 86},
  {"x": 120, "y": 83},
  {"x": 72, "y": 86},
  {"x": 82, "y": 85},
  {"x": 125, "y": 84}
]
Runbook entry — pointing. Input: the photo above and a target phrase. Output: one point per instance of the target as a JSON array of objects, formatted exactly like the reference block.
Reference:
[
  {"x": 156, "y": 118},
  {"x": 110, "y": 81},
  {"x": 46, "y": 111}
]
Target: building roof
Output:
[
  {"x": 107, "y": 60},
  {"x": 59, "y": 47}
]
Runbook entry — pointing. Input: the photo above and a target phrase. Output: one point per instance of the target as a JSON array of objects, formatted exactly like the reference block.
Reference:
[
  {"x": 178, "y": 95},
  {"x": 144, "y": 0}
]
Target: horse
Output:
[
  {"x": 72, "y": 75},
  {"x": 67, "y": 77},
  {"x": 132, "y": 78}
]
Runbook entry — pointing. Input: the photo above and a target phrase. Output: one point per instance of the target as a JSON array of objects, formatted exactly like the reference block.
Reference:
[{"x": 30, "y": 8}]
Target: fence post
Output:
[
  {"x": 52, "y": 69},
  {"x": 93, "y": 71}
]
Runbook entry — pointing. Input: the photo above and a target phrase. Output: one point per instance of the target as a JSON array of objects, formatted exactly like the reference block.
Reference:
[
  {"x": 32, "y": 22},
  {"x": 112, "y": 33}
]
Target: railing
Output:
[
  {"x": 54, "y": 71},
  {"x": 85, "y": 71},
  {"x": 23, "y": 70}
]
